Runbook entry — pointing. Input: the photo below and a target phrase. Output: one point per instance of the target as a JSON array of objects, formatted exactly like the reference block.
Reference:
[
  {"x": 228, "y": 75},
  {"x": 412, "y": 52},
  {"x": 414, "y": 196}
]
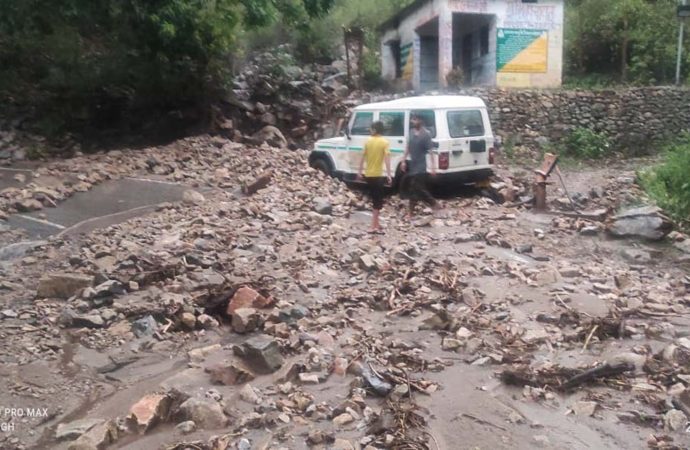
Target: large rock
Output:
[
  {"x": 246, "y": 297},
  {"x": 28, "y": 205},
  {"x": 645, "y": 222},
  {"x": 230, "y": 373},
  {"x": 206, "y": 414},
  {"x": 323, "y": 206},
  {"x": 193, "y": 198},
  {"x": 63, "y": 285},
  {"x": 109, "y": 288},
  {"x": 675, "y": 420},
  {"x": 683, "y": 246},
  {"x": 75, "y": 429},
  {"x": 261, "y": 353},
  {"x": 69, "y": 318},
  {"x": 245, "y": 320},
  {"x": 149, "y": 411},
  {"x": 97, "y": 438},
  {"x": 145, "y": 326},
  {"x": 270, "y": 135}
]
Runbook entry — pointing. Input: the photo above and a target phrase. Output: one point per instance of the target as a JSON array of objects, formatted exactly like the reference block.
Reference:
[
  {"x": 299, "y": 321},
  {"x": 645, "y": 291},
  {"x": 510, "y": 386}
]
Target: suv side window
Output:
[
  {"x": 429, "y": 118},
  {"x": 393, "y": 123},
  {"x": 362, "y": 124},
  {"x": 465, "y": 123}
]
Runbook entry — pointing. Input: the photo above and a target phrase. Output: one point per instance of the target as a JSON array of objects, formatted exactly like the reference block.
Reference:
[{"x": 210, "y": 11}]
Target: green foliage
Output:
[
  {"x": 668, "y": 183},
  {"x": 121, "y": 63},
  {"x": 583, "y": 143},
  {"x": 320, "y": 39},
  {"x": 629, "y": 41}
]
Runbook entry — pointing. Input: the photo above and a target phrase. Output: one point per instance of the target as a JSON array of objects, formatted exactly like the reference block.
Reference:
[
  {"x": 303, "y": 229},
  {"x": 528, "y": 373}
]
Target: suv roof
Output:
[{"x": 427, "y": 102}]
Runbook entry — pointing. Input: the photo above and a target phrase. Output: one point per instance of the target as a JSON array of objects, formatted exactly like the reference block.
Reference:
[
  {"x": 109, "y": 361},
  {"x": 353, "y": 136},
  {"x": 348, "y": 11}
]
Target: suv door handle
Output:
[{"x": 400, "y": 141}]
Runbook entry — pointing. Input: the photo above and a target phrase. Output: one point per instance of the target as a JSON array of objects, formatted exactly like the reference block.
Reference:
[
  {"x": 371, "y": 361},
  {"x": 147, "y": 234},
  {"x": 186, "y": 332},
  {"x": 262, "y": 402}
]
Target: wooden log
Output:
[
  {"x": 259, "y": 183},
  {"x": 602, "y": 371}
]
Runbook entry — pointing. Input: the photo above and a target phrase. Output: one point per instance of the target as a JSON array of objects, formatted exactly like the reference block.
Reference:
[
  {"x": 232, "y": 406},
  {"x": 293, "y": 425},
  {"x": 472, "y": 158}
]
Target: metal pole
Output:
[{"x": 680, "y": 51}]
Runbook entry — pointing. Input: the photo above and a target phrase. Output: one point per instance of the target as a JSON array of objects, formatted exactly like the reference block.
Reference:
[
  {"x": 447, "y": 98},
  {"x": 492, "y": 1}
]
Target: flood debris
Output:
[
  {"x": 286, "y": 325},
  {"x": 562, "y": 378}
]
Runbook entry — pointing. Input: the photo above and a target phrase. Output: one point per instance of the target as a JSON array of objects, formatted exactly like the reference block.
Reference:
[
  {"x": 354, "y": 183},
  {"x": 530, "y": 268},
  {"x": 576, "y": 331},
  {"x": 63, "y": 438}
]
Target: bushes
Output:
[
  {"x": 668, "y": 184},
  {"x": 125, "y": 66},
  {"x": 584, "y": 143}
]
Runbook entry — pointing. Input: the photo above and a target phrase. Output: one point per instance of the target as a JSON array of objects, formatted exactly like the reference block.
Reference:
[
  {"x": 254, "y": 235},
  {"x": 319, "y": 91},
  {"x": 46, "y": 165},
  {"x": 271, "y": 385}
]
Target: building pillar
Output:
[
  {"x": 445, "y": 46},
  {"x": 417, "y": 63}
]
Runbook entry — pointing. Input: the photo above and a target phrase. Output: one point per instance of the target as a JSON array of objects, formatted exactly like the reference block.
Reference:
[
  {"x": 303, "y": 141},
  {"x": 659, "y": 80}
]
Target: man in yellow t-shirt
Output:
[{"x": 376, "y": 152}]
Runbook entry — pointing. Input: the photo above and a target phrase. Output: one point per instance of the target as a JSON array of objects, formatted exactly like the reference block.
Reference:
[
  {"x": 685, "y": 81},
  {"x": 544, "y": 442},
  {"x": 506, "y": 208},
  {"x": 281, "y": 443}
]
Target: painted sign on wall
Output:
[
  {"x": 533, "y": 16},
  {"x": 407, "y": 61},
  {"x": 521, "y": 51},
  {"x": 472, "y": 6}
]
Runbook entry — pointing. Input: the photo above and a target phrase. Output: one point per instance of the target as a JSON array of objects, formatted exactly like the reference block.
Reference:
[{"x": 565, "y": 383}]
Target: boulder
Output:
[
  {"x": 193, "y": 198},
  {"x": 149, "y": 411},
  {"x": 63, "y": 285},
  {"x": 206, "y": 414},
  {"x": 28, "y": 205},
  {"x": 269, "y": 135},
  {"x": 245, "y": 320},
  {"x": 75, "y": 429},
  {"x": 261, "y": 353},
  {"x": 186, "y": 427},
  {"x": 69, "y": 318},
  {"x": 675, "y": 420},
  {"x": 246, "y": 297},
  {"x": 645, "y": 222},
  {"x": 323, "y": 206},
  {"x": 98, "y": 437},
  {"x": 230, "y": 373}
]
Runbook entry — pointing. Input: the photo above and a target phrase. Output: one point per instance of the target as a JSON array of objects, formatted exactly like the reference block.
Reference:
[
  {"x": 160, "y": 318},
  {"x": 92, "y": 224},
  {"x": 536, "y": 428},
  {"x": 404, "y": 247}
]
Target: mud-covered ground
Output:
[{"x": 463, "y": 328}]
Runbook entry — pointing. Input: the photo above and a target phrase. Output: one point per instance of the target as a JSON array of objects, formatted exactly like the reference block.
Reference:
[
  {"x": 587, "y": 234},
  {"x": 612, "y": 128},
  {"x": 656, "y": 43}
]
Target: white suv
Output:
[{"x": 459, "y": 127}]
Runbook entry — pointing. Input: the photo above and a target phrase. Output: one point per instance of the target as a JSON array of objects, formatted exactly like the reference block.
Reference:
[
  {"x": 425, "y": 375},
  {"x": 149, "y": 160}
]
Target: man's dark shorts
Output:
[{"x": 375, "y": 187}]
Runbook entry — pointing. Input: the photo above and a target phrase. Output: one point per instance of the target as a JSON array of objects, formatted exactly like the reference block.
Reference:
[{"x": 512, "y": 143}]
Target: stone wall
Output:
[{"x": 634, "y": 118}]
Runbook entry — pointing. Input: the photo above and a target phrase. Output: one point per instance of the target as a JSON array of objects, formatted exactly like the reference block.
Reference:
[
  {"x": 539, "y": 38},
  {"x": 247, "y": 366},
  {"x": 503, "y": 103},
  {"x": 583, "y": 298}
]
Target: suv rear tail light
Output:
[
  {"x": 443, "y": 161},
  {"x": 492, "y": 155}
]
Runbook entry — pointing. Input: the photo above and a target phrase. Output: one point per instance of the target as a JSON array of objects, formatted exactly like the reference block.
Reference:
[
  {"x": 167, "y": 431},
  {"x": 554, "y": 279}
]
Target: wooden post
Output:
[
  {"x": 540, "y": 181},
  {"x": 539, "y": 189}
]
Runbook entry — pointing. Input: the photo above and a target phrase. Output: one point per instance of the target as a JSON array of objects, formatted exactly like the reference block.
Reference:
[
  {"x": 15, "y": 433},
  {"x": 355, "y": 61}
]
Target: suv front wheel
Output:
[{"x": 322, "y": 165}]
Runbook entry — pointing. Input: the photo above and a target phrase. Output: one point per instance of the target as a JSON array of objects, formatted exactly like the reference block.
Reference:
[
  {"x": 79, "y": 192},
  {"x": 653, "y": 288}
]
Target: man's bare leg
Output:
[{"x": 375, "y": 224}]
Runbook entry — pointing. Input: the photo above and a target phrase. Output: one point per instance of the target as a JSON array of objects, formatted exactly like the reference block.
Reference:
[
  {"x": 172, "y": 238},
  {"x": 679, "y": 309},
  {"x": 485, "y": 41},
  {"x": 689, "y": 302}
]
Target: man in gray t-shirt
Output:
[{"x": 418, "y": 147}]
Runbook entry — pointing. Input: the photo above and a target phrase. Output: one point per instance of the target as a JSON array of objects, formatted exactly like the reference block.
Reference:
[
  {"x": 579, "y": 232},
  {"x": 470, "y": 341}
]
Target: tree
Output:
[
  {"x": 632, "y": 40},
  {"x": 103, "y": 62}
]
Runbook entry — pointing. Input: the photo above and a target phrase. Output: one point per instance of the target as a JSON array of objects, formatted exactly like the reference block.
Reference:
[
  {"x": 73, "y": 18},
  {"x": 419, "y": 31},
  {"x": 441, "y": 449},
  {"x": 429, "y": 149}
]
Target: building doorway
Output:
[
  {"x": 428, "y": 55},
  {"x": 474, "y": 48}
]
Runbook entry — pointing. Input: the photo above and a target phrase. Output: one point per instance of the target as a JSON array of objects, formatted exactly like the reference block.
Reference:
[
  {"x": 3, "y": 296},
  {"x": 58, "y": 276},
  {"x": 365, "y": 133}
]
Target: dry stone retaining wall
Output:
[{"x": 634, "y": 118}]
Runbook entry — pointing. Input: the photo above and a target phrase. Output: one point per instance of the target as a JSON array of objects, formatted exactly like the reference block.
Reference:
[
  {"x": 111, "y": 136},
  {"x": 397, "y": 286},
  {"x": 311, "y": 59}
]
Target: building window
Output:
[
  {"x": 362, "y": 124},
  {"x": 484, "y": 40},
  {"x": 428, "y": 117},
  {"x": 393, "y": 123},
  {"x": 465, "y": 124}
]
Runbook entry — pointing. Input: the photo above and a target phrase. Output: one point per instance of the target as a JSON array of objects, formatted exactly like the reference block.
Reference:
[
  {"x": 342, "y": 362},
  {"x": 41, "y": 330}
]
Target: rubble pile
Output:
[
  {"x": 276, "y": 100},
  {"x": 258, "y": 313}
]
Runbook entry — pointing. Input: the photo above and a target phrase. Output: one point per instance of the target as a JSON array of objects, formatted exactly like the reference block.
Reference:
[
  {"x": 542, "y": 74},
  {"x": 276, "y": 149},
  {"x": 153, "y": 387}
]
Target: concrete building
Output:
[{"x": 517, "y": 43}]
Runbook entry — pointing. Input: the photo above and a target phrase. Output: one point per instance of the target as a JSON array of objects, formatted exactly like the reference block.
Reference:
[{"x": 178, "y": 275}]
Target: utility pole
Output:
[{"x": 683, "y": 13}]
